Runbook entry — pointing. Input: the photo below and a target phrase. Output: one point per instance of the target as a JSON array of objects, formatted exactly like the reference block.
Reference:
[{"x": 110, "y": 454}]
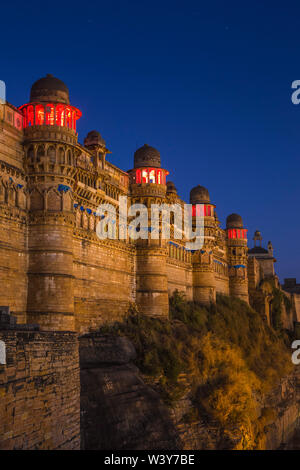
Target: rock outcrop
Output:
[{"x": 120, "y": 411}]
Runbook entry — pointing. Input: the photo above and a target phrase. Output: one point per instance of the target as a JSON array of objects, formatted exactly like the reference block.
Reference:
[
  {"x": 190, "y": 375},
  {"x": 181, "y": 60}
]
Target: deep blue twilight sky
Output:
[{"x": 206, "y": 83}]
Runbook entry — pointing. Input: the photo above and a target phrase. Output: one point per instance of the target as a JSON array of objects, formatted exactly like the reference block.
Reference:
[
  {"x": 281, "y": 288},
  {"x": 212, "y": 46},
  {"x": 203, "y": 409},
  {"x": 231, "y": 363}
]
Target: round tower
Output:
[
  {"x": 237, "y": 256},
  {"x": 148, "y": 186},
  {"x": 204, "y": 283},
  {"x": 50, "y": 140},
  {"x": 96, "y": 144}
]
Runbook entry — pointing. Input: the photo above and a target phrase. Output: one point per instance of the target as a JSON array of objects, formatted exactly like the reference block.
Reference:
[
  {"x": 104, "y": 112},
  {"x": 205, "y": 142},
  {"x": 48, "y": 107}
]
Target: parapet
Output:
[{"x": 9, "y": 322}]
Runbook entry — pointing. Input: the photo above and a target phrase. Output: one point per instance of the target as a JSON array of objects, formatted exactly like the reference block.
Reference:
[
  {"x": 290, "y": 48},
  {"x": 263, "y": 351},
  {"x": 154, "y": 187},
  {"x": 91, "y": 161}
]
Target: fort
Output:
[{"x": 57, "y": 274}]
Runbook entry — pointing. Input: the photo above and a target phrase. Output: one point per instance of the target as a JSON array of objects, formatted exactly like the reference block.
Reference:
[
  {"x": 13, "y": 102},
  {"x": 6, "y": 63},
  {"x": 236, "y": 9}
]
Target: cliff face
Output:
[
  {"x": 119, "y": 410},
  {"x": 285, "y": 399}
]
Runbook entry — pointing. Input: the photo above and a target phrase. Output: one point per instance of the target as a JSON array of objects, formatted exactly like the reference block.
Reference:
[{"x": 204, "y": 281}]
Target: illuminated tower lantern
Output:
[
  {"x": 49, "y": 139},
  {"x": 148, "y": 186},
  {"x": 237, "y": 256},
  {"x": 204, "y": 284}
]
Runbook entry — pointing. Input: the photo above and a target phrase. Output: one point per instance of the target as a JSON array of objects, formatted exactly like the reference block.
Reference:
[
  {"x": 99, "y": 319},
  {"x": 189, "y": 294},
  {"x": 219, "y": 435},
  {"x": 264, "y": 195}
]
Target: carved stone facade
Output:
[{"x": 54, "y": 269}]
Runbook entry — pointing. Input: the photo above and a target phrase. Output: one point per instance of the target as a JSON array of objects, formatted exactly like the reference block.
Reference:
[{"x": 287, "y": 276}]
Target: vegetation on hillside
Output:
[
  {"x": 227, "y": 354},
  {"x": 279, "y": 302}
]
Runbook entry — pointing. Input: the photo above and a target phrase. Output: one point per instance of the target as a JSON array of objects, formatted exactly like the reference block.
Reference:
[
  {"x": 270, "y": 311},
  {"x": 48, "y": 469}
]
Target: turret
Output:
[
  {"x": 270, "y": 248},
  {"x": 264, "y": 257},
  {"x": 148, "y": 186},
  {"x": 95, "y": 143},
  {"x": 50, "y": 150},
  {"x": 204, "y": 283},
  {"x": 237, "y": 256},
  {"x": 257, "y": 238}
]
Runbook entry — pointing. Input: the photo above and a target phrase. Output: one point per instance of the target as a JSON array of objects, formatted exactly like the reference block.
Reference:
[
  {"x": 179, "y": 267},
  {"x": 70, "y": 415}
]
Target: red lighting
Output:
[
  {"x": 60, "y": 115},
  {"x": 138, "y": 177},
  {"x": 237, "y": 233},
  {"x": 49, "y": 115},
  {"x": 149, "y": 175},
  {"x": 38, "y": 114},
  {"x": 201, "y": 210}
]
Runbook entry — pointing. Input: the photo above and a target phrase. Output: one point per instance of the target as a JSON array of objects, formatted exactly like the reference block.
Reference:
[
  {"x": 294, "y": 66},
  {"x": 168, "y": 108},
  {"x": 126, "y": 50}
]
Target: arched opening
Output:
[
  {"x": 61, "y": 155},
  {"x": 51, "y": 153},
  {"x": 152, "y": 176},
  {"x": 40, "y": 152},
  {"x": 69, "y": 157},
  {"x": 39, "y": 114},
  {"x": 30, "y": 152},
  {"x": 49, "y": 114}
]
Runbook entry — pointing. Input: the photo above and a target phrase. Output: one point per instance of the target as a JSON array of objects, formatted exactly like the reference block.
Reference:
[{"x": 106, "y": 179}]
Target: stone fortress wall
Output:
[
  {"x": 39, "y": 387},
  {"x": 60, "y": 280},
  {"x": 54, "y": 270}
]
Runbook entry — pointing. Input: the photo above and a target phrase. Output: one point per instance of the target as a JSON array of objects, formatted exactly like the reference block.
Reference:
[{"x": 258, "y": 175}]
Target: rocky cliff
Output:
[
  {"x": 121, "y": 410},
  {"x": 118, "y": 410}
]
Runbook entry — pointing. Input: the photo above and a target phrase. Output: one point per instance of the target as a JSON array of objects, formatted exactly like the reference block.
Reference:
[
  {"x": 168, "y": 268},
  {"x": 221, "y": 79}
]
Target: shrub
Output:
[{"x": 227, "y": 353}]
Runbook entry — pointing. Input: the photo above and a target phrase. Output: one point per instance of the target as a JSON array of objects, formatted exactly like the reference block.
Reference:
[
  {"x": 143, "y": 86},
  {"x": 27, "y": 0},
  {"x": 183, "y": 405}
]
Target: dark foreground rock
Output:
[{"x": 118, "y": 410}]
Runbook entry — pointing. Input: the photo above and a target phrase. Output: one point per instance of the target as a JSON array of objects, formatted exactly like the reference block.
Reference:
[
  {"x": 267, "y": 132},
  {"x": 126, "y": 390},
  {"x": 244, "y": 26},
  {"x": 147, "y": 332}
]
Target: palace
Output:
[{"x": 56, "y": 272}]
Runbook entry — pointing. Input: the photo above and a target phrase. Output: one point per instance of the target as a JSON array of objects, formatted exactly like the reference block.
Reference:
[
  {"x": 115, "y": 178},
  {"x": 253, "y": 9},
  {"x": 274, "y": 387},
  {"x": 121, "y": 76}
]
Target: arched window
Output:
[
  {"x": 61, "y": 155},
  {"x": 145, "y": 176},
  {"x": 30, "y": 116},
  {"x": 159, "y": 179},
  {"x": 30, "y": 152},
  {"x": 49, "y": 115},
  {"x": 39, "y": 114},
  {"x": 51, "y": 153},
  {"x": 60, "y": 115},
  {"x": 151, "y": 176},
  {"x": 68, "y": 118},
  {"x": 69, "y": 158},
  {"x": 40, "y": 152}
]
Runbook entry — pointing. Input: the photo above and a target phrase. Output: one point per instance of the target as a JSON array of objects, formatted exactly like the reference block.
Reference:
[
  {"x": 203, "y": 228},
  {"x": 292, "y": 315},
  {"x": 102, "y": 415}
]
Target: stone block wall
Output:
[
  {"x": 180, "y": 277},
  {"x": 103, "y": 279},
  {"x": 39, "y": 391}
]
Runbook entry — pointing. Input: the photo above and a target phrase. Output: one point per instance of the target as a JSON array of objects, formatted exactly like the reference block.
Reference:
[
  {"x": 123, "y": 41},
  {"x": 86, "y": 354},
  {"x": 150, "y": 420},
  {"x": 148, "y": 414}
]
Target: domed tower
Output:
[
  {"x": 96, "y": 144},
  {"x": 148, "y": 186},
  {"x": 171, "y": 188},
  {"x": 237, "y": 256},
  {"x": 50, "y": 140},
  {"x": 204, "y": 283}
]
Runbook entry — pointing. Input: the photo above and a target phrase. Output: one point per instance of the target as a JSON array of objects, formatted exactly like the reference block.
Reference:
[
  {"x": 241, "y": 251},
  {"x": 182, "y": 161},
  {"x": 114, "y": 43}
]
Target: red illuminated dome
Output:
[
  {"x": 234, "y": 221},
  {"x": 147, "y": 156},
  {"x": 49, "y": 88},
  {"x": 147, "y": 167},
  {"x": 235, "y": 227},
  {"x": 171, "y": 187},
  {"x": 50, "y": 105},
  {"x": 199, "y": 195},
  {"x": 94, "y": 138}
]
